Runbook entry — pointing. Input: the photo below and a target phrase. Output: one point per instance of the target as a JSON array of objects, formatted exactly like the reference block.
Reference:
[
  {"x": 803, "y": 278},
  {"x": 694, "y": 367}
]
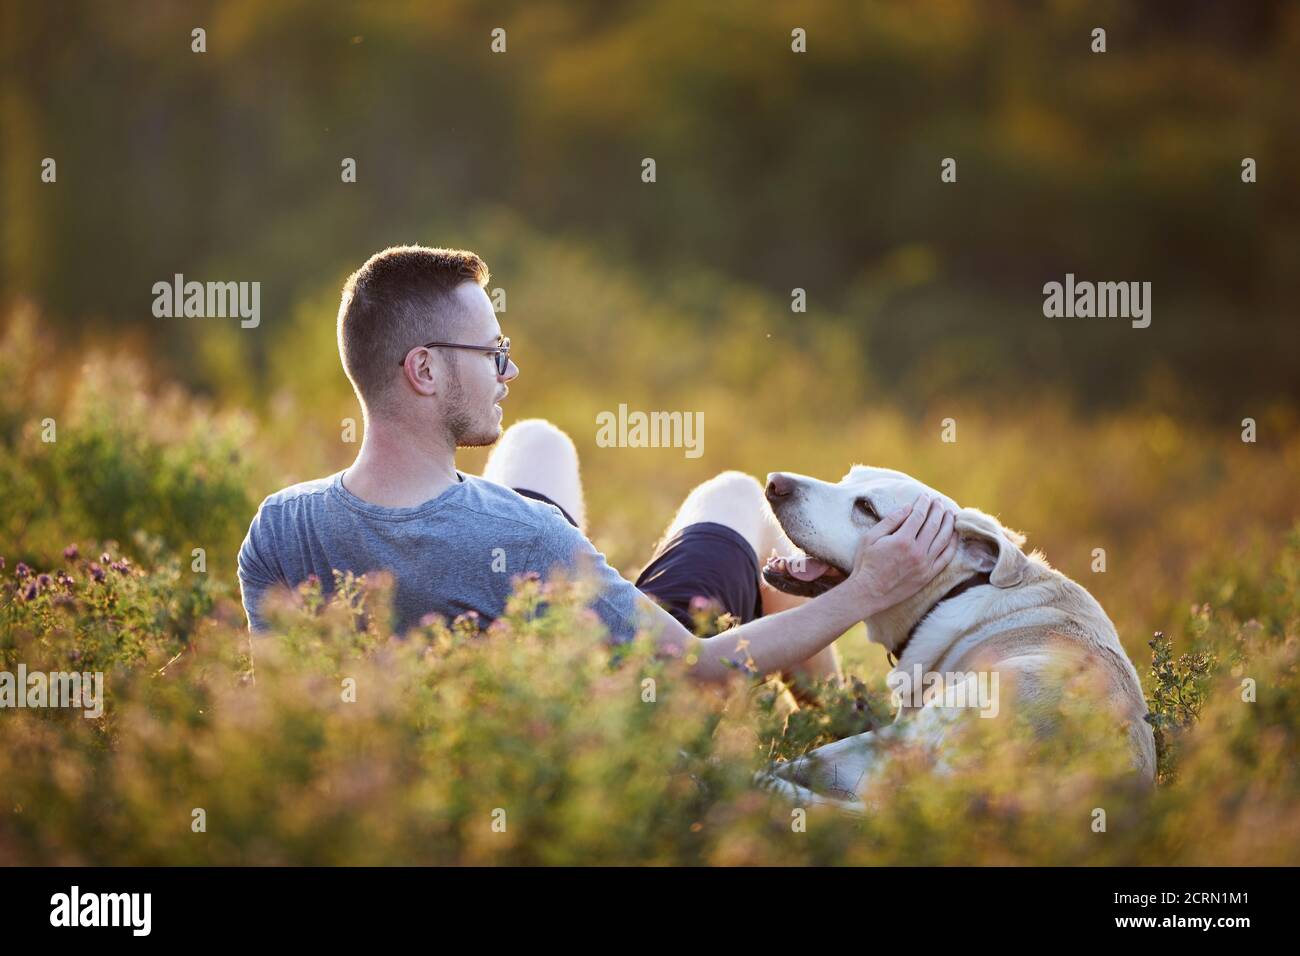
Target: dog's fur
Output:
[{"x": 1029, "y": 623}]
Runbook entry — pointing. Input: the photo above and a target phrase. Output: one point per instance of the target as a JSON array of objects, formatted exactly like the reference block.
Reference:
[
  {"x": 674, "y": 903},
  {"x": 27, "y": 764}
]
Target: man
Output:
[{"x": 421, "y": 344}]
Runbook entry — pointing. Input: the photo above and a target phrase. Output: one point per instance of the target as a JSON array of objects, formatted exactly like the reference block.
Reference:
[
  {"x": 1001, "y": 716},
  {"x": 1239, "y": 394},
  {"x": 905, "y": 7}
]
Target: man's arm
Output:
[
  {"x": 255, "y": 577},
  {"x": 898, "y": 557}
]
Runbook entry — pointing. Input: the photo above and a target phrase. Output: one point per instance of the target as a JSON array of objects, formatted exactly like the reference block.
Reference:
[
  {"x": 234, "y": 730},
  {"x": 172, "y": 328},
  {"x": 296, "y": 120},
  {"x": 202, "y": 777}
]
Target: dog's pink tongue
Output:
[{"x": 807, "y": 569}]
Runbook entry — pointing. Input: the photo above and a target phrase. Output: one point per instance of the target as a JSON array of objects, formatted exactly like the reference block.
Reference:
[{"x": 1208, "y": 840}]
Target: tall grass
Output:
[{"x": 335, "y": 742}]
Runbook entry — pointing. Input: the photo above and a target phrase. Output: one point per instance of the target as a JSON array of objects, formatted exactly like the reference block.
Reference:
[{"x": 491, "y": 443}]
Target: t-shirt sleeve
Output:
[
  {"x": 618, "y": 603},
  {"x": 256, "y": 575}
]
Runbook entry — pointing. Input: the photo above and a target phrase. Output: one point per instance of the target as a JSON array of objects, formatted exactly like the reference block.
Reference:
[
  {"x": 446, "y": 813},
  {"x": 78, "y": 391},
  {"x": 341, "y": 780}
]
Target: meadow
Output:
[{"x": 124, "y": 496}]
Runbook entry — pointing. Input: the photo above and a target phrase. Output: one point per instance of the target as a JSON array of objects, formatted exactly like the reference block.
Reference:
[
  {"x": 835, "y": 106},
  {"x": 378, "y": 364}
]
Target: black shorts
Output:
[{"x": 705, "y": 569}]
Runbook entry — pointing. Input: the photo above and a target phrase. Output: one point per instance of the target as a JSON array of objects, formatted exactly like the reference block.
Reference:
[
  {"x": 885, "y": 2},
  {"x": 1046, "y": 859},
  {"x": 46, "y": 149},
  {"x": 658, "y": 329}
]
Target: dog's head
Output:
[{"x": 828, "y": 521}]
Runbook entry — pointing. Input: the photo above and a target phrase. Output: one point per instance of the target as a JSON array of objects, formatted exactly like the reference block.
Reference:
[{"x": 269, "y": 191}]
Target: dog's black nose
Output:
[{"x": 779, "y": 486}]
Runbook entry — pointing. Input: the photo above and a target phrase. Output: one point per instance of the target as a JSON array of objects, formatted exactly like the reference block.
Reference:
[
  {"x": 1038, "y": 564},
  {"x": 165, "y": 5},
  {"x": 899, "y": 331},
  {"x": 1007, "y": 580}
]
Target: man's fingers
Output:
[
  {"x": 887, "y": 524},
  {"x": 946, "y": 555},
  {"x": 920, "y": 508},
  {"x": 933, "y": 522},
  {"x": 940, "y": 540}
]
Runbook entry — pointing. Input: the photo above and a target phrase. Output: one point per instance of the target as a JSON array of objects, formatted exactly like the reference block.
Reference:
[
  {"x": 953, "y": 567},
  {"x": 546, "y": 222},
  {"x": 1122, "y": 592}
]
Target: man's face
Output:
[{"x": 471, "y": 408}]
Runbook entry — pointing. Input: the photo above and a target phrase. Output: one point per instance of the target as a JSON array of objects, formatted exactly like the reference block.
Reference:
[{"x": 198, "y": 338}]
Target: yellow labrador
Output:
[{"x": 994, "y": 618}]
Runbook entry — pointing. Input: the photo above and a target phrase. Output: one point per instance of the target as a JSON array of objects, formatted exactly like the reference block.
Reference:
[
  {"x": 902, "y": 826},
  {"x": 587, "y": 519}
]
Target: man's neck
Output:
[{"x": 394, "y": 469}]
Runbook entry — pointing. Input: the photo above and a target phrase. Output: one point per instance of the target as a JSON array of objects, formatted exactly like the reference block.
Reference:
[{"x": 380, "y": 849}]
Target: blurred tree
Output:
[{"x": 780, "y": 169}]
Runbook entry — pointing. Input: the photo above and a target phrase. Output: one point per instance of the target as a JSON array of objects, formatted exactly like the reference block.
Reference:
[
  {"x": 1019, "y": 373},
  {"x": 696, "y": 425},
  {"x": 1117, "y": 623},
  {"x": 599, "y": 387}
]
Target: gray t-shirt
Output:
[{"x": 457, "y": 552}]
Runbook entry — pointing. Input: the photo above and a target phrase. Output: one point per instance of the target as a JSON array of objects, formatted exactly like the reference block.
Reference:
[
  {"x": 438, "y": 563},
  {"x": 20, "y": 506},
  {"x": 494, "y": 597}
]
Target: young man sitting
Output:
[{"x": 422, "y": 346}]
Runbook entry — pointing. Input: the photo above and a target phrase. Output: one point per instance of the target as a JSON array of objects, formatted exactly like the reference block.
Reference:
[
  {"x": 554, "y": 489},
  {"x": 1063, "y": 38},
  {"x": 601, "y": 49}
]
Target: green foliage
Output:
[
  {"x": 778, "y": 169},
  {"x": 111, "y": 456},
  {"x": 331, "y": 741},
  {"x": 824, "y": 713},
  {"x": 1178, "y": 693},
  {"x": 535, "y": 715}
]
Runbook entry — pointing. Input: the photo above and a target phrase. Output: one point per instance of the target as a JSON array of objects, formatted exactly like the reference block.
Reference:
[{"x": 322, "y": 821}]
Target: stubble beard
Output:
[{"x": 462, "y": 428}]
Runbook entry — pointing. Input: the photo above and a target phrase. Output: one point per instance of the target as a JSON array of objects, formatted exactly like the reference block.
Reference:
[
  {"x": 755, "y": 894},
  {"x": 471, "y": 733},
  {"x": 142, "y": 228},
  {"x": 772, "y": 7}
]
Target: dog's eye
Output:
[{"x": 864, "y": 506}]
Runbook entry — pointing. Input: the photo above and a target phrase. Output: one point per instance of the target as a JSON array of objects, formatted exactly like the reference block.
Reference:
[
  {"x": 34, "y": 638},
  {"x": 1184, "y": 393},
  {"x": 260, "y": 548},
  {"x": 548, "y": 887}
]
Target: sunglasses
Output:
[{"x": 500, "y": 351}]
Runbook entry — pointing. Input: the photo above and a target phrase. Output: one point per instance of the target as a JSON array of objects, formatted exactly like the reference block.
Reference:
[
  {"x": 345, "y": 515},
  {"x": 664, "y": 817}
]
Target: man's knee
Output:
[
  {"x": 538, "y": 437},
  {"x": 731, "y": 498},
  {"x": 732, "y": 486},
  {"x": 530, "y": 445},
  {"x": 539, "y": 456}
]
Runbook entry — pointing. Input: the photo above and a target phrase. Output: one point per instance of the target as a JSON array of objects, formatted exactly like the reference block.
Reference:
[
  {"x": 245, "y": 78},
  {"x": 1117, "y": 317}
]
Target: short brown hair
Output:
[{"x": 397, "y": 300}]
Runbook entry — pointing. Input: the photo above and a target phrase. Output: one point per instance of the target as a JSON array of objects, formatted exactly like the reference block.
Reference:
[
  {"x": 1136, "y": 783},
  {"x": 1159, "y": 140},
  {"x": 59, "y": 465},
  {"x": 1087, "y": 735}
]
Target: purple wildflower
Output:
[
  {"x": 96, "y": 572},
  {"x": 71, "y": 553},
  {"x": 22, "y": 571}
]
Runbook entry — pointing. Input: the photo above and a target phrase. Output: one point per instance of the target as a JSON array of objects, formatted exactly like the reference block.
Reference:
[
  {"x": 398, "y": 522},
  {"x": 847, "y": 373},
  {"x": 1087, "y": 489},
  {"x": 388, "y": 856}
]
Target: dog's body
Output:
[{"x": 993, "y": 611}]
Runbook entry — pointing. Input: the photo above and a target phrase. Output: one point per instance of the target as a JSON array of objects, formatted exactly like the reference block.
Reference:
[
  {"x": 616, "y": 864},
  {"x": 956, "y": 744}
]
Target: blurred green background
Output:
[{"x": 776, "y": 170}]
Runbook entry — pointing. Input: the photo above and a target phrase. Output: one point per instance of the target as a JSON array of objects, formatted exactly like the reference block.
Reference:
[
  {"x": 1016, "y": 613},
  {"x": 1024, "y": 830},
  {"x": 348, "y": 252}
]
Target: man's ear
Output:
[
  {"x": 995, "y": 550},
  {"x": 420, "y": 373}
]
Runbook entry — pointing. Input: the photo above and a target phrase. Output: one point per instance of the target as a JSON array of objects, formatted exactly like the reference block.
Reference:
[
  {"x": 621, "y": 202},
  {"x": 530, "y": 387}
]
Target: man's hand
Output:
[
  {"x": 897, "y": 558},
  {"x": 901, "y": 555}
]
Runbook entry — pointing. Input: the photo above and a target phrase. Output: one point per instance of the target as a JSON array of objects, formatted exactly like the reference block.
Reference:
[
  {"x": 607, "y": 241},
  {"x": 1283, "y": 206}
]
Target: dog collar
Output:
[{"x": 975, "y": 580}]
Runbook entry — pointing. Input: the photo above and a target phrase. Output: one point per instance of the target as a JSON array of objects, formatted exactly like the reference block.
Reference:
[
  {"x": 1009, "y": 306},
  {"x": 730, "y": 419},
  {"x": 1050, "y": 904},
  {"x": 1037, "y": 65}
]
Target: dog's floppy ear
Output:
[{"x": 996, "y": 550}]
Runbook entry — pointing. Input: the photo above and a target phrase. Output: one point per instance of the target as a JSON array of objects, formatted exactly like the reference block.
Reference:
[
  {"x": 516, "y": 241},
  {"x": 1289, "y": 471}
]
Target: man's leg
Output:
[
  {"x": 735, "y": 500},
  {"x": 535, "y": 456}
]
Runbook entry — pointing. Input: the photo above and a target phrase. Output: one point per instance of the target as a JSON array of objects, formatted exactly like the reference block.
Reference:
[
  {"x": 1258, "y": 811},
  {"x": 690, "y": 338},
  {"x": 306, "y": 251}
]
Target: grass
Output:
[{"x": 335, "y": 742}]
